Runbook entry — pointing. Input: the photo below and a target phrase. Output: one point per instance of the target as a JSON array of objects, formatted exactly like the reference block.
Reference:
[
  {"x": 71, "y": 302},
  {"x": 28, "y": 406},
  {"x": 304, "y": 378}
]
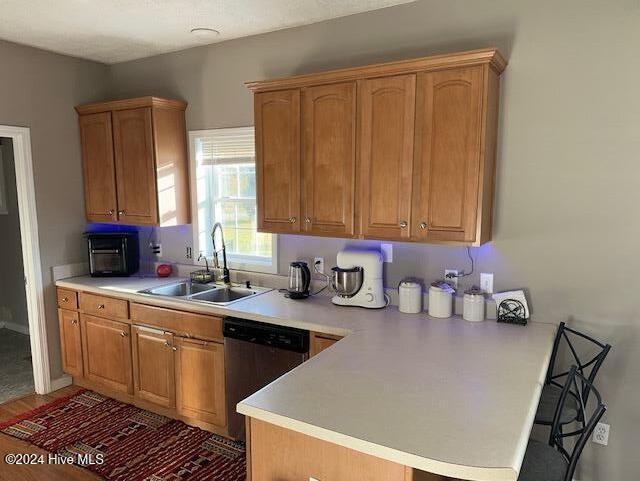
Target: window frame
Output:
[{"x": 242, "y": 263}]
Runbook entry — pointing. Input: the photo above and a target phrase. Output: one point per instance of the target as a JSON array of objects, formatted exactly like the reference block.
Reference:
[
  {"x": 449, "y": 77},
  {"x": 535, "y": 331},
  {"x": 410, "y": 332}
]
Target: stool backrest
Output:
[
  {"x": 588, "y": 416},
  {"x": 586, "y": 366}
]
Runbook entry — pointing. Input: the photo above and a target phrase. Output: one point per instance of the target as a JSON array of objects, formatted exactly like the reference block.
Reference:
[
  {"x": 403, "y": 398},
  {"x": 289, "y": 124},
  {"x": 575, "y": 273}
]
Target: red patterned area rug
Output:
[{"x": 121, "y": 442}]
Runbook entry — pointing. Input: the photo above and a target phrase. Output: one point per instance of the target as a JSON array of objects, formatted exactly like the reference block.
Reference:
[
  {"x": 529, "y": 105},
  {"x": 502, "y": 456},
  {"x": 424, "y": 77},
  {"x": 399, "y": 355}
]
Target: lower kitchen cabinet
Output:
[
  {"x": 106, "y": 350},
  {"x": 153, "y": 366},
  {"x": 278, "y": 454},
  {"x": 200, "y": 381},
  {"x": 71, "y": 342},
  {"x": 319, "y": 342}
]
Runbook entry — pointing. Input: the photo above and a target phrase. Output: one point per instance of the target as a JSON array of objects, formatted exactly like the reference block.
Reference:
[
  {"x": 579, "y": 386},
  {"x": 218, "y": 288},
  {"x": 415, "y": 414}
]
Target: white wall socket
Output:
[
  {"x": 486, "y": 282},
  {"x": 601, "y": 434},
  {"x": 451, "y": 280},
  {"x": 318, "y": 263},
  {"x": 387, "y": 252}
]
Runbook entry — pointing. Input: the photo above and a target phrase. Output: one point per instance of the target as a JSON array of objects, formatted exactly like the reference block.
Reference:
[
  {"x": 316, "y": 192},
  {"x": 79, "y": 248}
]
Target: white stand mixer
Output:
[{"x": 357, "y": 279}]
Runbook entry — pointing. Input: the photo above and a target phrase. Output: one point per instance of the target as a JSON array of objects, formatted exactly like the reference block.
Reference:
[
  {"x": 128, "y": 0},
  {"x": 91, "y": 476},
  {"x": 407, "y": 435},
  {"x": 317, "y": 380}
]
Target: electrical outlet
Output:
[
  {"x": 387, "y": 252},
  {"x": 450, "y": 276},
  {"x": 188, "y": 252},
  {"x": 486, "y": 282},
  {"x": 318, "y": 263},
  {"x": 156, "y": 249},
  {"x": 601, "y": 434}
]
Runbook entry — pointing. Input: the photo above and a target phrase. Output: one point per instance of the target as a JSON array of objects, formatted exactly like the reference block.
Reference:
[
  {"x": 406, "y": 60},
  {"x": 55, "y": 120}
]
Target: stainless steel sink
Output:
[
  {"x": 224, "y": 295},
  {"x": 179, "y": 289},
  {"x": 219, "y": 294}
]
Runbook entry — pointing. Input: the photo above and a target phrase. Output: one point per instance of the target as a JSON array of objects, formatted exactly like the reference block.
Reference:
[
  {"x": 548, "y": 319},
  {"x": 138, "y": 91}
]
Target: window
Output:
[{"x": 225, "y": 191}]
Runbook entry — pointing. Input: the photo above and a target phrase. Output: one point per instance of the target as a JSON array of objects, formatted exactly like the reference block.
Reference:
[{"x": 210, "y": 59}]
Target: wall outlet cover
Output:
[
  {"x": 486, "y": 282},
  {"x": 601, "y": 434},
  {"x": 387, "y": 252},
  {"x": 453, "y": 280}
]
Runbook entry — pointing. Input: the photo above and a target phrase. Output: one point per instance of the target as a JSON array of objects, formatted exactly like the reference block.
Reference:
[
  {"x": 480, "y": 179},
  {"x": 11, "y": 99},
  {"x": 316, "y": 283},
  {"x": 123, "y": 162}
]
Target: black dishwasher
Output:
[{"x": 256, "y": 354}]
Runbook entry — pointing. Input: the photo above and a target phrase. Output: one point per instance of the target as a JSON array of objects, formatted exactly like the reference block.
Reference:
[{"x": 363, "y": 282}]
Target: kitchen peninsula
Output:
[{"x": 400, "y": 395}]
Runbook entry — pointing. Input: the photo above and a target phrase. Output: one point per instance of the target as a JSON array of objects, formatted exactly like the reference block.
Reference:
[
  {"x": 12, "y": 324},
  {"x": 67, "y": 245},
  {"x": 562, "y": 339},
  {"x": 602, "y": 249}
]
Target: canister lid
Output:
[
  {"x": 410, "y": 285},
  {"x": 474, "y": 291},
  {"x": 441, "y": 286}
]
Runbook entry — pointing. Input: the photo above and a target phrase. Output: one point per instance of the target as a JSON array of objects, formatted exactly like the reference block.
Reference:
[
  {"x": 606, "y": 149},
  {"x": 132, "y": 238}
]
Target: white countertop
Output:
[{"x": 442, "y": 395}]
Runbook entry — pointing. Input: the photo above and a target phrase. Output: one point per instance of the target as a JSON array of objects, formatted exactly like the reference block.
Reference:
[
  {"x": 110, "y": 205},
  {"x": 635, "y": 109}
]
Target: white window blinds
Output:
[{"x": 227, "y": 146}]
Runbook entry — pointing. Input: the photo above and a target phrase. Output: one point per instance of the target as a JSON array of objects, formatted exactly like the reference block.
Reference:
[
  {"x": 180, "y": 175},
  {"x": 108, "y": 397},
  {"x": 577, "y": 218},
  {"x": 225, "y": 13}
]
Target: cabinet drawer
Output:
[
  {"x": 67, "y": 299},
  {"x": 104, "y": 306},
  {"x": 180, "y": 322}
]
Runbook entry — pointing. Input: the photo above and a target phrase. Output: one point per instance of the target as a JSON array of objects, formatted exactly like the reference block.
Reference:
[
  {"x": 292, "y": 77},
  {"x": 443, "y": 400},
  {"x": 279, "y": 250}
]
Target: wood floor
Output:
[{"x": 9, "y": 445}]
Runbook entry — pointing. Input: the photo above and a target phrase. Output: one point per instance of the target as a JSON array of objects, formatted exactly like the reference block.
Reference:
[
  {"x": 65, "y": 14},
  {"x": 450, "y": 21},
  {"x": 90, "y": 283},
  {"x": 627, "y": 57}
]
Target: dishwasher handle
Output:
[{"x": 279, "y": 337}]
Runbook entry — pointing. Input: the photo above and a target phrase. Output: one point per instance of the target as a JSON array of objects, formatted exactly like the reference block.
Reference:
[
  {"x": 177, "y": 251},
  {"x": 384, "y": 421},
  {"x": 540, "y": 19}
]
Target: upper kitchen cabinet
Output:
[
  {"x": 453, "y": 172},
  {"x": 135, "y": 161},
  {"x": 387, "y": 109},
  {"x": 399, "y": 151},
  {"x": 329, "y": 159},
  {"x": 277, "y": 119}
]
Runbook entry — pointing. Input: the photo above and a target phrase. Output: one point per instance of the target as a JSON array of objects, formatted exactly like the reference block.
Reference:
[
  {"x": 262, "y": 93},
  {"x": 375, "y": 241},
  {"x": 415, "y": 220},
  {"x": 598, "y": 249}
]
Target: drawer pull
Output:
[
  {"x": 423, "y": 225},
  {"x": 123, "y": 334},
  {"x": 168, "y": 344},
  {"x": 403, "y": 224},
  {"x": 74, "y": 321},
  {"x": 100, "y": 306},
  {"x": 65, "y": 299}
]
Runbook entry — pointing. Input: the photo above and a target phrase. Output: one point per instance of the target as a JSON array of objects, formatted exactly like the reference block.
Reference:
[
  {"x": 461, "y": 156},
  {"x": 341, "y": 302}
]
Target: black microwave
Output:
[{"x": 113, "y": 253}]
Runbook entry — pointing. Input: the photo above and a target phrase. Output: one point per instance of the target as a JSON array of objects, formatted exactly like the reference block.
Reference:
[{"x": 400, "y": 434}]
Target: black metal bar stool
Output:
[
  {"x": 588, "y": 368},
  {"x": 554, "y": 462}
]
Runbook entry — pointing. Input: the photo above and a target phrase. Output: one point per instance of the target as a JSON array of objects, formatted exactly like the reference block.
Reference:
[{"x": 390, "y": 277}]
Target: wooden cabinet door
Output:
[
  {"x": 135, "y": 166},
  {"x": 447, "y": 154},
  {"x": 71, "y": 342},
  {"x": 387, "y": 109},
  {"x": 106, "y": 351},
  {"x": 279, "y": 454},
  {"x": 96, "y": 138},
  {"x": 200, "y": 381},
  {"x": 329, "y": 159},
  {"x": 153, "y": 366},
  {"x": 319, "y": 342},
  {"x": 277, "y": 120}
]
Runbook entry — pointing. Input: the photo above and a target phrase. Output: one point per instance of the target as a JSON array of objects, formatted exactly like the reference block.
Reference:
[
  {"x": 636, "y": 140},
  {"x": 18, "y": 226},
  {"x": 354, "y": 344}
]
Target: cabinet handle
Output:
[
  {"x": 307, "y": 220},
  {"x": 110, "y": 212},
  {"x": 121, "y": 212},
  {"x": 100, "y": 306},
  {"x": 65, "y": 299},
  {"x": 123, "y": 334},
  {"x": 403, "y": 224},
  {"x": 292, "y": 220},
  {"x": 74, "y": 321},
  {"x": 168, "y": 344},
  {"x": 423, "y": 225}
]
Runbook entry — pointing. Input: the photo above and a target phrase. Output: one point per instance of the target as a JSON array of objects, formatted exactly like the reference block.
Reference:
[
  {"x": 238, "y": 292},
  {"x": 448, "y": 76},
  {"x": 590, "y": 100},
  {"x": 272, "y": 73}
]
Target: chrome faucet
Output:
[{"x": 225, "y": 271}]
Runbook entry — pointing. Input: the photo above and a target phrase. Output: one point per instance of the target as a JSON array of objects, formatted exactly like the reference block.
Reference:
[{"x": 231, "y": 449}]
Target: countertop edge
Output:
[
  {"x": 477, "y": 473},
  {"x": 234, "y": 309}
]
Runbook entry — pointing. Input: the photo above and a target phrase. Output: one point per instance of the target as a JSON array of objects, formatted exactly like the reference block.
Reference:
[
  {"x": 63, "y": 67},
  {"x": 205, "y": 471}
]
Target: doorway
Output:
[{"x": 16, "y": 370}]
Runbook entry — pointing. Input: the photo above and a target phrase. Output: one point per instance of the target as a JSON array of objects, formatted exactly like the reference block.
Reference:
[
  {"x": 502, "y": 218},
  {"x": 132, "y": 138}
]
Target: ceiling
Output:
[{"x": 120, "y": 30}]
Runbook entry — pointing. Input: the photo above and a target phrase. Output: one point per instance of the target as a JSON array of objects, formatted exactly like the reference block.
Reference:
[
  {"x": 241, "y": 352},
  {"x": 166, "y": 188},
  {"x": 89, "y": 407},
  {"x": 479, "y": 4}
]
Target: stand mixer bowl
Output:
[{"x": 346, "y": 282}]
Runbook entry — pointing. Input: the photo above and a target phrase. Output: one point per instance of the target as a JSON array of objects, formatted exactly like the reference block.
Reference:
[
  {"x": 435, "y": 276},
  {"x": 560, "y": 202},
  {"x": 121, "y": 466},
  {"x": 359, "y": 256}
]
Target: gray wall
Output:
[
  {"x": 38, "y": 90},
  {"x": 13, "y": 299},
  {"x": 568, "y": 164}
]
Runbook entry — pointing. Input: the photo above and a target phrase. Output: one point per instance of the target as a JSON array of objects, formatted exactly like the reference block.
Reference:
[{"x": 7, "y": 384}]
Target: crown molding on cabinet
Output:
[
  {"x": 135, "y": 103},
  {"x": 489, "y": 56}
]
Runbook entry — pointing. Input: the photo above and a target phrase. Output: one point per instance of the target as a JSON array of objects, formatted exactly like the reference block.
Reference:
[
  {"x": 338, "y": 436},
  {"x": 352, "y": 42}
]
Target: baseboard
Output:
[
  {"x": 12, "y": 326},
  {"x": 63, "y": 381}
]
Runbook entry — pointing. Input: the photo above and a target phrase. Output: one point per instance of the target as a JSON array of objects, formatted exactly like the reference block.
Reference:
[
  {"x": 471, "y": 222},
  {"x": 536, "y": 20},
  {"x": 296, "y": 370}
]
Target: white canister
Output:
[
  {"x": 440, "y": 299},
  {"x": 410, "y": 297},
  {"x": 473, "y": 305}
]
